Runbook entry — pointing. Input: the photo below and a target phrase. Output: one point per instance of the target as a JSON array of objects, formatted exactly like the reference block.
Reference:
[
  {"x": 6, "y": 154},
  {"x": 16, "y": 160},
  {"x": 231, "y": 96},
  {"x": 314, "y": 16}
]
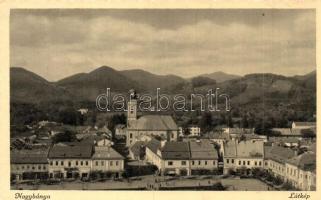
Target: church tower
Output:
[{"x": 132, "y": 107}]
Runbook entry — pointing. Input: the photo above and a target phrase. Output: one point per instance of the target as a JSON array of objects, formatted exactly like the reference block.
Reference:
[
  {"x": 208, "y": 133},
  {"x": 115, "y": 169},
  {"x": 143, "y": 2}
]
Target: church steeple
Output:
[{"x": 132, "y": 107}]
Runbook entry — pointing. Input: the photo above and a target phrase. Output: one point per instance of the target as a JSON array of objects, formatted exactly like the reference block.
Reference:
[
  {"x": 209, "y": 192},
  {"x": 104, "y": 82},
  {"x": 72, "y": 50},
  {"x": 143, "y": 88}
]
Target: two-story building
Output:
[
  {"x": 301, "y": 171},
  {"x": 275, "y": 158},
  {"x": 243, "y": 155},
  {"x": 70, "y": 161},
  {"x": 106, "y": 159},
  {"x": 175, "y": 158},
  {"x": 29, "y": 164},
  {"x": 203, "y": 156}
]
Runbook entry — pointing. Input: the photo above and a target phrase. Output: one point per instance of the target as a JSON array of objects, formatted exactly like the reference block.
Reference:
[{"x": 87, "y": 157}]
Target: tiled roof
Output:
[
  {"x": 153, "y": 145},
  {"x": 244, "y": 149},
  {"x": 29, "y": 157},
  {"x": 136, "y": 148},
  {"x": 278, "y": 154},
  {"x": 305, "y": 161},
  {"x": 71, "y": 151},
  {"x": 176, "y": 151},
  {"x": 203, "y": 149},
  {"x": 153, "y": 122},
  {"x": 106, "y": 153}
]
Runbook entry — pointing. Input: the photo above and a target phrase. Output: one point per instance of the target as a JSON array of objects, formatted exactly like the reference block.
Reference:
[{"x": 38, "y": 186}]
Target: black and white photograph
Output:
[{"x": 163, "y": 99}]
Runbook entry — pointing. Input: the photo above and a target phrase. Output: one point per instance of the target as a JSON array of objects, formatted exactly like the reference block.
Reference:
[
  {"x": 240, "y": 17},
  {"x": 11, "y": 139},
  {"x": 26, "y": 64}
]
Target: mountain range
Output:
[{"x": 28, "y": 87}]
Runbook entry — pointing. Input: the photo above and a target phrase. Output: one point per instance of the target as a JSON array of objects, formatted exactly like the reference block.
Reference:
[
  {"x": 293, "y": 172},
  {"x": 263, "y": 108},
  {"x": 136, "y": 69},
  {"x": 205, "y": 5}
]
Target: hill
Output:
[
  {"x": 151, "y": 81},
  {"x": 220, "y": 76},
  {"x": 26, "y": 86},
  {"x": 89, "y": 85}
]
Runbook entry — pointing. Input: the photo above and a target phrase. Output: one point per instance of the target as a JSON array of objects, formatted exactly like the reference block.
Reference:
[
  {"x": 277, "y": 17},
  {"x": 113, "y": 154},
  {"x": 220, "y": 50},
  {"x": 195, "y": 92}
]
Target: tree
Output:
[
  {"x": 307, "y": 133},
  {"x": 230, "y": 122},
  {"x": 244, "y": 122},
  {"x": 66, "y": 136},
  {"x": 263, "y": 128},
  {"x": 206, "y": 122}
]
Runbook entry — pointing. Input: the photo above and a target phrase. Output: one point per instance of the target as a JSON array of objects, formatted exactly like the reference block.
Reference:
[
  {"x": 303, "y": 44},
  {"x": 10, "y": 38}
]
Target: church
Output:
[{"x": 163, "y": 126}]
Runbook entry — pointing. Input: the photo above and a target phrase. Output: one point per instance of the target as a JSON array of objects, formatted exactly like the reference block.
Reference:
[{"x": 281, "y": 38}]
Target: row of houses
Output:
[
  {"x": 68, "y": 160},
  {"x": 195, "y": 156},
  {"x": 183, "y": 158}
]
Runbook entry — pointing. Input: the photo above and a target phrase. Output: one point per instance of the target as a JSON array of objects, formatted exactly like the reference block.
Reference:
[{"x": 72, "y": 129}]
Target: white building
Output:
[
  {"x": 106, "y": 159},
  {"x": 243, "y": 155},
  {"x": 70, "y": 161},
  {"x": 303, "y": 125},
  {"x": 301, "y": 171},
  {"x": 183, "y": 158}
]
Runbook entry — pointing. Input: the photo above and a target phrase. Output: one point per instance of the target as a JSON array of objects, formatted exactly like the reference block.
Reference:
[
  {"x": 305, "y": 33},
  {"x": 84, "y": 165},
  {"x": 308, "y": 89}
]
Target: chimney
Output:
[{"x": 163, "y": 142}]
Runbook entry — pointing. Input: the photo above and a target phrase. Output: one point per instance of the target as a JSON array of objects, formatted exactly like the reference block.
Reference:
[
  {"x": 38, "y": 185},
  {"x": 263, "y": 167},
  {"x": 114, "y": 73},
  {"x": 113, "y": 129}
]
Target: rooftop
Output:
[
  {"x": 29, "y": 157},
  {"x": 153, "y": 145},
  {"x": 202, "y": 149},
  {"x": 71, "y": 151},
  {"x": 305, "y": 123},
  {"x": 106, "y": 153},
  {"x": 136, "y": 148},
  {"x": 154, "y": 122},
  {"x": 305, "y": 161},
  {"x": 278, "y": 154},
  {"x": 244, "y": 149},
  {"x": 176, "y": 151}
]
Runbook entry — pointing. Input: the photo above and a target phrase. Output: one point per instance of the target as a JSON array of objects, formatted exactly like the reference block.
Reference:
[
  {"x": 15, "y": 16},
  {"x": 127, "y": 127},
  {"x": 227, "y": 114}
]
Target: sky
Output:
[{"x": 57, "y": 43}]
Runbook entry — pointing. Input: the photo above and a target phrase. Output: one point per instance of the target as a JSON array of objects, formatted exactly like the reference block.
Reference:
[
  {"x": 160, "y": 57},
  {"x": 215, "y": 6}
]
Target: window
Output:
[
  {"x": 170, "y": 163},
  {"x": 205, "y": 162},
  {"x": 243, "y": 162},
  {"x": 76, "y": 162},
  {"x": 199, "y": 162},
  {"x": 96, "y": 163},
  {"x": 255, "y": 163},
  {"x": 86, "y": 163},
  {"x": 81, "y": 163},
  {"x": 111, "y": 163},
  {"x": 193, "y": 162},
  {"x": 69, "y": 164},
  {"x": 44, "y": 167},
  {"x": 248, "y": 162},
  {"x": 33, "y": 167},
  {"x": 130, "y": 135},
  {"x": 260, "y": 163},
  {"x": 17, "y": 167},
  {"x": 62, "y": 163},
  {"x": 102, "y": 163},
  {"x": 51, "y": 163},
  {"x": 39, "y": 167},
  {"x": 27, "y": 166},
  {"x": 240, "y": 162},
  {"x": 183, "y": 162},
  {"x": 227, "y": 161},
  {"x": 232, "y": 161},
  {"x": 116, "y": 163},
  {"x": 23, "y": 167},
  {"x": 213, "y": 162},
  {"x": 56, "y": 163}
]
